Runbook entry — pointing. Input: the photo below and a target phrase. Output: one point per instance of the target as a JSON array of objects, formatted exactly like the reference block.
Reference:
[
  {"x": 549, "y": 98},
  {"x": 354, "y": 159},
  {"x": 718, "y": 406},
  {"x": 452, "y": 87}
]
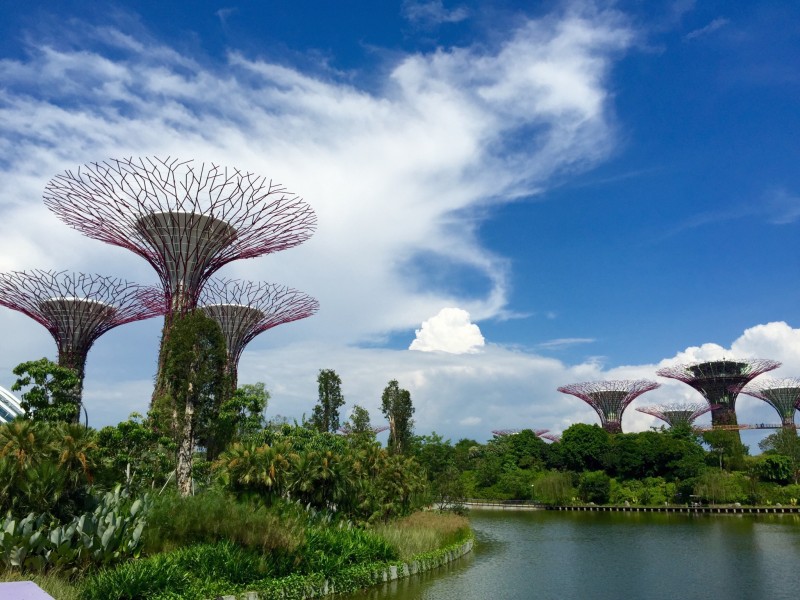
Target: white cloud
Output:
[
  {"x": 450, "y": 330},
  {"x": 713, "y": 26},
  {"x": 561, "y": 343},
  {"x": 432, "y": 13},
  {"x": 393, "y": 174}
]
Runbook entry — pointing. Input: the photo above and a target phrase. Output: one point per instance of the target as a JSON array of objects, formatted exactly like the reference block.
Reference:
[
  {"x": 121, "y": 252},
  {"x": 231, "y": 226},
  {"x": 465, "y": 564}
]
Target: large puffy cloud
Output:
[
  {"x": 397, "y": 173},
  {"x": 450, "y": 330}
]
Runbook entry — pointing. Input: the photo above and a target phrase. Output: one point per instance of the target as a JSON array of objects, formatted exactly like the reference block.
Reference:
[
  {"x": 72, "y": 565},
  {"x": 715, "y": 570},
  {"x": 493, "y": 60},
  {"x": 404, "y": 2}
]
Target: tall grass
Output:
[
  {"x": 53, "y": 583},
  {"x": 176, "y": 522},
  {"x": 423, "y": 532}
]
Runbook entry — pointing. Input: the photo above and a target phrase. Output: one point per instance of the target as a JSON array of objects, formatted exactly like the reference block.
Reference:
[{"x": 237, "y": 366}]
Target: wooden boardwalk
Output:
[{"x": 727, "y": 509}]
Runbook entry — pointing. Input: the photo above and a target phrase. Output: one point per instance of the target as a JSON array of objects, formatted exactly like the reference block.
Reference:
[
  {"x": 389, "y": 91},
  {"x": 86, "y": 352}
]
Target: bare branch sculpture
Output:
[
  {"x": 610, "y": 398},
  {"x": 677, "y": 414},
  {"x": 347, "y": 430},
  {"x": 716, "y": 379},
  {"x": 77, "y": 309},
  {"x": 781, "y": 394},
  {"x": 505, "y": 432},
  {"x": 186, "y": 220},
  {"x": 244, "y": 309}
]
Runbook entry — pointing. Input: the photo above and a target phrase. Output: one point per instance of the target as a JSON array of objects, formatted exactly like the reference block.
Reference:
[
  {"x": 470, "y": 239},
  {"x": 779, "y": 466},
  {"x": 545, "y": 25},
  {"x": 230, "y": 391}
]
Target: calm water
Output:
[{"x": 546, "y": 555}]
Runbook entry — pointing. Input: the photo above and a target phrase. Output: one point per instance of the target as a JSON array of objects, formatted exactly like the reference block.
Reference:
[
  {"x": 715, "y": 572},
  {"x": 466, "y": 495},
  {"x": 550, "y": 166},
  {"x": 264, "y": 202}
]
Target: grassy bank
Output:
[{"x": 211, "y": 545}]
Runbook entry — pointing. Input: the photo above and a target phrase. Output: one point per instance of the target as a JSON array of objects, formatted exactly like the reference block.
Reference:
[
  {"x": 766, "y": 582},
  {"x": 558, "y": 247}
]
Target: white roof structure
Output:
[{"x": 9, "y": 406}]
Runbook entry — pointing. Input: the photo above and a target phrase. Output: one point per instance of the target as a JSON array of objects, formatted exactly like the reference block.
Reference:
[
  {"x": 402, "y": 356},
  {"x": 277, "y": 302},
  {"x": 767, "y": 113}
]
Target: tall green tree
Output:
[
  {"x": 359, "y": 427},
  {"x": 239, "y": 416},
  {"x": 325, "y": 416},
  {"x": 195, "y": 359},
  {"x": 397, "y": 408},
  {"x": 784, "y": 442},
  {"x": 359, "y": 420},
  {"x": 50, "y": 395},
  {"x": 584, "y": 447}
]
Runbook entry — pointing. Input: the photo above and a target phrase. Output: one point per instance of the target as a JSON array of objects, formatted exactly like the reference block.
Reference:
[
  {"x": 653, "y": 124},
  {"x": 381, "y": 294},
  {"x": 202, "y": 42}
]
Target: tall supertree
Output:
[
  {"x": 781, "y": 394},
  {"x": 77, "y": 309},
  {"x": 186, "y": 220},
  {"x": 717, "y": 381},
  {"x": 678, "y": 413},
  {"x": 245, "y": 309},
  {"x": 610, "y": 398}
]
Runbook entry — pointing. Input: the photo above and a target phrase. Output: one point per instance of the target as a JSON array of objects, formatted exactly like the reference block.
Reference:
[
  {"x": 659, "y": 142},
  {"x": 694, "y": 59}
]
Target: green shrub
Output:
[
  {"x": 328, "y": 550},
  {"x": 222, "y": 561},
  {"x": 595, "y": 487},
  {"x": 720, "y": 487},
  {"x": 45, "y": 468},
  {"x": 110, "y": 533},
  {"x": 137, "y": 580}
]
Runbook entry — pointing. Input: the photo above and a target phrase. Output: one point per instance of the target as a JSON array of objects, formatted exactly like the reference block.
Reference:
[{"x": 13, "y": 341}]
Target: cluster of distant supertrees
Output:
[
  {"x": 719, "y": 382},
  {"x": 187, "y": 220}
]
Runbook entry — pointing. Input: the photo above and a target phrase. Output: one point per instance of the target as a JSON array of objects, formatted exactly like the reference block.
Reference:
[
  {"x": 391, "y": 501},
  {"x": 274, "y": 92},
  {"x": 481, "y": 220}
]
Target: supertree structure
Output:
[
  {"x": 677, "y": 413},
  {"x": 718, "y": 381},
  {"x": 347, "y": 430},
  {"x": 186, "y": 220},
  {"x": 610, "y": 398},
  {"x": 245, "y": 309},
  {"x": 77, "y": 308},
  {"x": 505, "y": 432},
  {"x": 781, "y": 394}
]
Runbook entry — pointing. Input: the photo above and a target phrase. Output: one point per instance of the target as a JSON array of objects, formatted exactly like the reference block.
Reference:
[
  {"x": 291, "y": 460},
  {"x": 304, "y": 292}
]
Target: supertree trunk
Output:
[
  {"x": 75, "y": 362},
  {"x": 183, "y": 468}
]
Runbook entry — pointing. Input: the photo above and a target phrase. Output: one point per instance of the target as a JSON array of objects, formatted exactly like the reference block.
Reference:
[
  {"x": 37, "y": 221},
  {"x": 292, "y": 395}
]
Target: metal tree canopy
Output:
[
  {"x": 77, "y": 309},
  {"x": 681, "y": 413},
  {"x": 716, "y": 380},
  {"x": 504, "y": 432},
  {"x": 245, "y": 309},
  {"x": 781, "y": 394},
  {"x": 186, "y": 220},
  {"x": 610, "y": 398},
  {"x": 347, "y": 430}
]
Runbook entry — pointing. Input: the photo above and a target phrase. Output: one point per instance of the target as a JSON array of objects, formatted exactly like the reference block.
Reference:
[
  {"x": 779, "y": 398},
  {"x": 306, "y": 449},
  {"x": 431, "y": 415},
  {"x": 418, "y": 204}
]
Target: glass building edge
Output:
[{"x": 9, "y": 406}]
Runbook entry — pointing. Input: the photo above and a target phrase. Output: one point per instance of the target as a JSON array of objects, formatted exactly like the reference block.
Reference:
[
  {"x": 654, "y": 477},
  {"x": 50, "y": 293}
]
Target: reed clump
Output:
[{"x": 423, "y": 532}]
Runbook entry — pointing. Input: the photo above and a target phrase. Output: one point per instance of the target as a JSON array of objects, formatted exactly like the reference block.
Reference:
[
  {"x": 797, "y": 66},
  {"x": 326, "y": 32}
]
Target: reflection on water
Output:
[{"x": 548, "y": 555}]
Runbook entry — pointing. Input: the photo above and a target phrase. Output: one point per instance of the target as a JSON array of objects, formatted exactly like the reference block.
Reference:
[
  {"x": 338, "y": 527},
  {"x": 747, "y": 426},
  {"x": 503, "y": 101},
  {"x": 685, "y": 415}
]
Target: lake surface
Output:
[{"x": 564, "y": 555}]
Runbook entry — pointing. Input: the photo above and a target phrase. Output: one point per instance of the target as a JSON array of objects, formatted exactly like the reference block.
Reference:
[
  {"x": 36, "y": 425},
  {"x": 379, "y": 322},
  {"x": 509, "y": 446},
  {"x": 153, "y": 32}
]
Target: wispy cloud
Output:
[
  {"x": 562, "y": 343},
  {"x": 782, "y": 207},
  {"x": 223, "y": 14},
  {"x": 715, "y": 25},
  {"x": 432, "y": 13},
  {"x": 777, "y": 206}
]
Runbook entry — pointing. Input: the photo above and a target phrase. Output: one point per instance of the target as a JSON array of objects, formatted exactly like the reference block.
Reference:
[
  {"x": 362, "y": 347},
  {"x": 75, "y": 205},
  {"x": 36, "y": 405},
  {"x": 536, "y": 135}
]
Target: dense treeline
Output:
[
  {"x": 590, "y": 465},
  {"x": 267, "y": 499}
]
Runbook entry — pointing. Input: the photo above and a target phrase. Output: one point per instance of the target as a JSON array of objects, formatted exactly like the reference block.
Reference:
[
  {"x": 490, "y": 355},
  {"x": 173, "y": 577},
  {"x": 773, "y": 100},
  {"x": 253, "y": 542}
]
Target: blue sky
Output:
[{"x": 605, "y": 187}]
